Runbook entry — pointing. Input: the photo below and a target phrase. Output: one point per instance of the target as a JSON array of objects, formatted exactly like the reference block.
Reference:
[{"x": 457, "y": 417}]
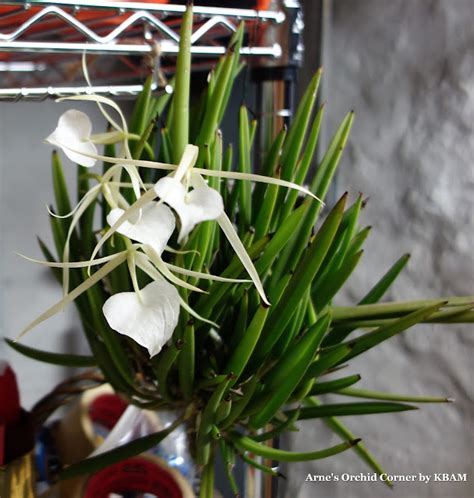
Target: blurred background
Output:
[{"x": 407, "y": 69}]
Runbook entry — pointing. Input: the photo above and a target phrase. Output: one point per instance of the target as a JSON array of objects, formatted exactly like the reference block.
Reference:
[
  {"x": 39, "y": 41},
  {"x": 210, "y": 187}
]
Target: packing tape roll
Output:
[
  {"x": 74, "y": 433},
  {"x": 134, "y": 476},
  {"x": 143, "y": 474},
  {"x": 88, "y": 422},
  {"x": 76, "y": 437}
]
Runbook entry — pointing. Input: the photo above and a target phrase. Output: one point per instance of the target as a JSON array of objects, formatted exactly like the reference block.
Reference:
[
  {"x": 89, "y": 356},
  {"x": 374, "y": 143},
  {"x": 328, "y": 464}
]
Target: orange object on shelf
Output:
[{"x": 263, "y": 4}]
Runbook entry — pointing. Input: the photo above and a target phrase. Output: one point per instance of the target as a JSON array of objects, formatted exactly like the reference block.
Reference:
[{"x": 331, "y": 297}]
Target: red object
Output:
[
  {"x": 133, "y": 475},
  {"x": 16, "y": 426},
  {"x": 107, "y": 409},
  {"x": 9, "y": 396},
  {"x": 2, "y": 444}
]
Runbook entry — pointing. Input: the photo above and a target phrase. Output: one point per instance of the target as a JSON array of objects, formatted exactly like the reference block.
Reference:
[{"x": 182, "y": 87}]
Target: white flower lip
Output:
[
  {"x": 149, "y": 318},
  {"x": 73, "y": 136},
  {"x": 203, "y": 203},
  {"x": 155, "y": 226}
]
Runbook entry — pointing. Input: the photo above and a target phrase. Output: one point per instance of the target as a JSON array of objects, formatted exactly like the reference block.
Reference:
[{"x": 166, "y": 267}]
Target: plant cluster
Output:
[{"x": 216, "y": 279}]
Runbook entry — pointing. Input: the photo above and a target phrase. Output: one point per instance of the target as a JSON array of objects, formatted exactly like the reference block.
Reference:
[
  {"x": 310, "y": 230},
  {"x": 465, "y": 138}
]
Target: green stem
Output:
[{"x": 179, "y": 130}]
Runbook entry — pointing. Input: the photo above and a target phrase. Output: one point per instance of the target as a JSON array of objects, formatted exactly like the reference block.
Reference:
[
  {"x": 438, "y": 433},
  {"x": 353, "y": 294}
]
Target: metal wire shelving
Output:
[{"x": 40, "y": 39}]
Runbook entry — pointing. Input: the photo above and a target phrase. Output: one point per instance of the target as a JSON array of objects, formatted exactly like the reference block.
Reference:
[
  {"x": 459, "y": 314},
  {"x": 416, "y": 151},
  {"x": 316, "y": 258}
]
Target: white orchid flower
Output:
[
  {"x": 205, "y": 204},
  {"x": 76, "y": 150},
  {"x": 154, "y": 227},
  {"x": 202, "y": 203},
  {"x": 148, "y": 317},
  {"x": 73, "y": 136}
]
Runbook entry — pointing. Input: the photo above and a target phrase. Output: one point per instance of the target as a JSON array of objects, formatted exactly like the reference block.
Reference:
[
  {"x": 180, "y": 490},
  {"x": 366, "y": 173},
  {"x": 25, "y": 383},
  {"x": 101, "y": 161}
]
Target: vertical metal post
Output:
[{"x": 276, "y": 81}]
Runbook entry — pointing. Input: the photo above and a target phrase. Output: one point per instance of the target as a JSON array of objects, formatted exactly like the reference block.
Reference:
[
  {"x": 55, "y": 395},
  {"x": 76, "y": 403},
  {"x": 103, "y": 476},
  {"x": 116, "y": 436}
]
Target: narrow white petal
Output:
[
  {"x": 135, "y": 178},
  {"x": 188, "y": 160},
  {"x": 78, "y": 205},
  {"x": 69, "y": 298},
  {"x": 99, "y": 105},
  {"x": 236, "y": 175},
  {"x": 194, "y": 314},
  {"x": 205, "y": 276},
  {"x": 159, "y": 263},
  {"x": 149, "y": 320},
  {"x": 100, "y": 99},
  {"x": 73, "y": 264},
  {"x": 122, "y": 161},
  {"x": 177, "y": 251},
  {"x": 239, "y": 249},
  {"x": 89, "y": 198}
]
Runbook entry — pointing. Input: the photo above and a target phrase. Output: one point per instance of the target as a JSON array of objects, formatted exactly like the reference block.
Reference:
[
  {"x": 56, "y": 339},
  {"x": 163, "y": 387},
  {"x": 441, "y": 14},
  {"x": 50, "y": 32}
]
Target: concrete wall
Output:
[{"x": 407, "y": 68}]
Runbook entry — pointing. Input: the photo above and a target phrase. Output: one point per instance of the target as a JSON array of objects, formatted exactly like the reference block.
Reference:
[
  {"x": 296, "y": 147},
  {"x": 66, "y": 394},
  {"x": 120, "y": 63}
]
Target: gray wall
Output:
[
  {"x": 407, "y": 68},
  {"x": 28, "y": 289}
]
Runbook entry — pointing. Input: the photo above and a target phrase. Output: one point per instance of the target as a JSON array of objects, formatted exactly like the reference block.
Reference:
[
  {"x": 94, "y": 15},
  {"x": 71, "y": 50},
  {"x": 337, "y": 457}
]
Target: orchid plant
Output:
[{"x": 207, "y": 288}]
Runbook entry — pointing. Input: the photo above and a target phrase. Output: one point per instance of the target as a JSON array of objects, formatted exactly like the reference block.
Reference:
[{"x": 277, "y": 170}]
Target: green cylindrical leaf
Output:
[
  {"x": 247, "y": 444},
  {"x": 371, "y": 339},
  {"x": 327, "y": 360},
  {"x": 305, "y": 348},
  {"x": 301, "y": 280},
  {"x": 186, "y": 367},
  {"x": 179, "y": 130},
  {"x": 282, "y": 381},
  {"x": 328, "y": 287},
  {"x": 338, "y": 334},
  {"x": 297, "y": 132},
  {"x": 342, "y": 431},
  {"x": 67, "y": 360},
  {"x": 365, "y": 393},
  {"x": 94, "y": 464},
  {"x": 334, "y": 385},
  {"x": 346, "y": 409},
  {"x": 244, "y": 349},
  {"x": 245, "y": 188}
]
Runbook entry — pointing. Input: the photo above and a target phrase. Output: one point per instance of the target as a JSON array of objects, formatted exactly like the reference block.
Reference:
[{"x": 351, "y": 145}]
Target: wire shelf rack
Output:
[{"x": 41, "y": 42}]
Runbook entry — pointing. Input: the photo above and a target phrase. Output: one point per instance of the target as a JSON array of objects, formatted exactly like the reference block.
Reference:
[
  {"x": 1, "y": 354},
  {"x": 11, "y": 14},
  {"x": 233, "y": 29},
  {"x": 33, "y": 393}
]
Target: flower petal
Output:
[
  {"x": 145, "y": 265},
  {"x": 78, "y": 157},
  {"x": 149, "y": 318},
  {"x": 72, "y": 135},
  {"x": 155, "y": 226},
  {"x": 203, "y": 203},
  {"x": 74, "y": 123}
]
